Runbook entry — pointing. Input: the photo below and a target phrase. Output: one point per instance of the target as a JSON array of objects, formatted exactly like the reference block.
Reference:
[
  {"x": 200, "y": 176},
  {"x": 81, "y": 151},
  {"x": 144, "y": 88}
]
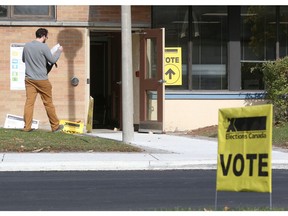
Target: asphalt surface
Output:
[
  {"x": 131, "y": 191},
  {"x": 161, "y": 152}
]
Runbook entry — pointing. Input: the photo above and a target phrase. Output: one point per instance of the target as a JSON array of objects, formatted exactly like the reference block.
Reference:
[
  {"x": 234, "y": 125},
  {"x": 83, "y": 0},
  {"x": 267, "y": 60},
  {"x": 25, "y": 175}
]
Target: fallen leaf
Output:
[
  {"x": 38, "y": 150},
  {"x": 226, "y": 208}
]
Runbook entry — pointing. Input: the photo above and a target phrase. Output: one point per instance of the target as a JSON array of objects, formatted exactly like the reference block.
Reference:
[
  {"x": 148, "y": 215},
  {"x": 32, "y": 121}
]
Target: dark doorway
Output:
[{"x": 105, "y": 78}]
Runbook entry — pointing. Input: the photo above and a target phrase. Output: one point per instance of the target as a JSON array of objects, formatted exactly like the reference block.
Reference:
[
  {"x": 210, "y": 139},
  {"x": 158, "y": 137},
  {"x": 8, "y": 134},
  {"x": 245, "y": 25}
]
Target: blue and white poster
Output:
[{"x": 17, "y": 67}]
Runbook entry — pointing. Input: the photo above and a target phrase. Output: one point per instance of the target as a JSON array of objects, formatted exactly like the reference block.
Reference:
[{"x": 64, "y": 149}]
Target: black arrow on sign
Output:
[{"x": 170, "y": 72}]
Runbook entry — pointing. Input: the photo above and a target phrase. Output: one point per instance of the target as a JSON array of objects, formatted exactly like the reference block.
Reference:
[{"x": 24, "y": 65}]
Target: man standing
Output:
[{"x": 36, "y": 55}]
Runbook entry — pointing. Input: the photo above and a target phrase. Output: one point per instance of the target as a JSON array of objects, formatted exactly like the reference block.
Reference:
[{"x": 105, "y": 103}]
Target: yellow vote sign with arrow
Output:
[{"x": 173, "y": 66}]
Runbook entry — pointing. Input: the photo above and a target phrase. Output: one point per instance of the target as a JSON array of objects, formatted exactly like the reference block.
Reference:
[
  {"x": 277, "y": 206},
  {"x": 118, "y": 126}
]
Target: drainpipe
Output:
[{"x": 127, "y": 79}]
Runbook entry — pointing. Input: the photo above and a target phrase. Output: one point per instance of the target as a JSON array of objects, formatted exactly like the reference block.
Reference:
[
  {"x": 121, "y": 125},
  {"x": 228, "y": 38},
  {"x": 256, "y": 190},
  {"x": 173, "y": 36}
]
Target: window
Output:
[
  {"x": 3, "y": 11},
  {"x": 203, "y": 31},
  {"x": 283, "y": 32},
  {"x": 27, "y": 12},
  {"x": 258, "y": 43},
  {"x": 209, "y": 48},
  {"x": 256, "y": 33}
]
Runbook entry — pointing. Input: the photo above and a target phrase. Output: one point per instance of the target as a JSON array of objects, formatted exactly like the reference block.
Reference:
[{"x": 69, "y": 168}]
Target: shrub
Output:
[{"x": 276, "y": 85}]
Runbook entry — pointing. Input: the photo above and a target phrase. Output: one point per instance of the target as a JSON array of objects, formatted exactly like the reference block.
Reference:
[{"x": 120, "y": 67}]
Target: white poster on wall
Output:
[{"x": 17, "y": 67}]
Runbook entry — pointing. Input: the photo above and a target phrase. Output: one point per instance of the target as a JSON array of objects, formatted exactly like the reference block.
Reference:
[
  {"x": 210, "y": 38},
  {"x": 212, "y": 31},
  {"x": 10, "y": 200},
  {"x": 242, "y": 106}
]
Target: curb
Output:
[{"x": 117, "y": 165}]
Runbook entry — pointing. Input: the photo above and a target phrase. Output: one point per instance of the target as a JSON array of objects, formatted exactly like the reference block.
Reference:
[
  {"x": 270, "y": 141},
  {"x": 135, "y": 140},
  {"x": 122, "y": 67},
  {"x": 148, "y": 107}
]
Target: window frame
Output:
[{"x": 11, "y": 16}]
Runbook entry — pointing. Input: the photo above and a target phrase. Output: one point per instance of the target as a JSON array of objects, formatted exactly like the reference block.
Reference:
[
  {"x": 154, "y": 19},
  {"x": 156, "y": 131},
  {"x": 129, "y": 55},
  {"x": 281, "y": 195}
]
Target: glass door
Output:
[{"x": 152, "y": 88}]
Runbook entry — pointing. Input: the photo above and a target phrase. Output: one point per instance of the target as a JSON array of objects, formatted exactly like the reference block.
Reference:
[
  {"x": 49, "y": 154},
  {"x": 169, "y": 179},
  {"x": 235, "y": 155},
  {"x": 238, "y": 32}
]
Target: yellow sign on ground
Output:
[
  {"x": 72, "y": 127},
  {"x": 173, "y": 66},
  {"x": 245, "y": 149}
]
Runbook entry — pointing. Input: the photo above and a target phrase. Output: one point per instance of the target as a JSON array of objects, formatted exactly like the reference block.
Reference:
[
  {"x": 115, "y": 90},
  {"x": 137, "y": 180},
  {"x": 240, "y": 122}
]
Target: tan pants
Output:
[{"x": 44, "y": 88}]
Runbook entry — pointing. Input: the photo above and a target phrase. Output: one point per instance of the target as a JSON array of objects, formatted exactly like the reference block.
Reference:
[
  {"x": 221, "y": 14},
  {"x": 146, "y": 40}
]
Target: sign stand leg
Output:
[
  {"x": 270, "y": 201},
  {"x": 216, "y": 196}
]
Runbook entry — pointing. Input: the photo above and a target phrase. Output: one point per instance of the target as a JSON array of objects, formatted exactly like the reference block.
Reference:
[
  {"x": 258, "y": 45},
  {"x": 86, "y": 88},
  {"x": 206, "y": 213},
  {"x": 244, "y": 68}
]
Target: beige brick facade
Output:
[{"x": 70, "y": 101}]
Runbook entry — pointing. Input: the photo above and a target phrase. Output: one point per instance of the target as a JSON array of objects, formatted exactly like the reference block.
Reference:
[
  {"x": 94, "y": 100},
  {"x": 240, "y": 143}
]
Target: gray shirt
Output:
[{"x": 36, "y": 55}]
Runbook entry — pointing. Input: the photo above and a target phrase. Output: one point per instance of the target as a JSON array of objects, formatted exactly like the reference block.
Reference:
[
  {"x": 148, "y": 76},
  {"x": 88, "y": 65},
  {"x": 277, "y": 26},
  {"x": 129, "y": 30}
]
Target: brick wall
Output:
[
  {"x": 11, "y": 101},
  {"x": 68, "y": 100},
  {"x": 139, "y": 14},
  {"x": 72, "y": 13}
]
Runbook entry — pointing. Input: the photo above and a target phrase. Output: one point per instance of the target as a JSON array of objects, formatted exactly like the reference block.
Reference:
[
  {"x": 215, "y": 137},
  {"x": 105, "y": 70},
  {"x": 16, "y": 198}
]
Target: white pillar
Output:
[{"x": 127, "y": 76}]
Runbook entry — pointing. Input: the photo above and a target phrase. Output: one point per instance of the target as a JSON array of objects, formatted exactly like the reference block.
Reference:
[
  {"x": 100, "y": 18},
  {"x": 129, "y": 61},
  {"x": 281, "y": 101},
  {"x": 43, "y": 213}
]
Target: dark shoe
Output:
[
  {"x": 32, "y": 129},
  {"x": 60, "y": 128}
]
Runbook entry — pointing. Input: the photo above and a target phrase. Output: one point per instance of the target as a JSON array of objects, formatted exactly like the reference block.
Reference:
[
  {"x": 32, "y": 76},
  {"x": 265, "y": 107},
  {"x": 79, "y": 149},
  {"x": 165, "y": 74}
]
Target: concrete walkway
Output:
[{"x": 162, "y": 152}]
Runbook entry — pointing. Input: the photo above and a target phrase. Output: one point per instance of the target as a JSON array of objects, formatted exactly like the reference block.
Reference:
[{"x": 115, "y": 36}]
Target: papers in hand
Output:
[
  {"x": 55, "y": 48},
  {"x": 53, "y": 51}
]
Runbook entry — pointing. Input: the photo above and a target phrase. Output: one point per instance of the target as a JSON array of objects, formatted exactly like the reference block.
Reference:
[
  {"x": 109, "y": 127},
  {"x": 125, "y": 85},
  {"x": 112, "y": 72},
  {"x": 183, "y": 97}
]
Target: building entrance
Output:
[{"x": 105, "y": 78}]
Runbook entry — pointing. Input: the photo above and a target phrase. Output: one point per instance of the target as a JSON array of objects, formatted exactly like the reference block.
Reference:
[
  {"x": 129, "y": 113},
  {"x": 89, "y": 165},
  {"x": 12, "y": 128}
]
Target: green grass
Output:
[
  {"x": 15, "y": 140},
  {"x": 280, "y": 136}
]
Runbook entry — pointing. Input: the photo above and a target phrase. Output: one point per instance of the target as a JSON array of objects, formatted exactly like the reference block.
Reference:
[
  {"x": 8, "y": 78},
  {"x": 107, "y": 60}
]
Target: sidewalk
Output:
[{"x": 162, "y": 152}]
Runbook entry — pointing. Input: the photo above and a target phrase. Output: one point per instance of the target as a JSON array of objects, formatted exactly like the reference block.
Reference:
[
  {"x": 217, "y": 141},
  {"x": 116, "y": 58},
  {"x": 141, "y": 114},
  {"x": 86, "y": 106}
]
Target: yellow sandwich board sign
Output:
[
  {"x": 72, "y": 127},
  {"x": 245, "y": 149},
  {"x": 89, "y": 125},
  {"x": 173, "y": 66}
]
